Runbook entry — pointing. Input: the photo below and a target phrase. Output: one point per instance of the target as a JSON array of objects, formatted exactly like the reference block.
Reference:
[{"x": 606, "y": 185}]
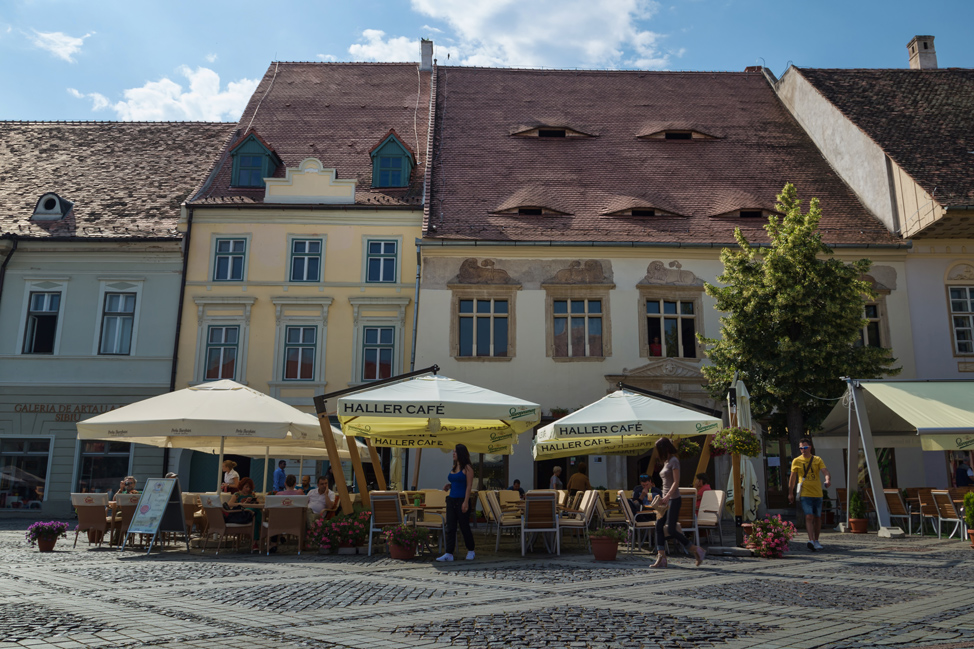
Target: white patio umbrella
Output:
[
  {"x": 206, "y": 416},
  {"x": 622, "y": 422}
]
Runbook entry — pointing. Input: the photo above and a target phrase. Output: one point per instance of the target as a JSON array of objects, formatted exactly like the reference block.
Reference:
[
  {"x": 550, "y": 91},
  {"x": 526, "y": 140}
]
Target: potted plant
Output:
[
  {"x": 605, "y": 542},
  {"x": 688, "y": 449},
  {"x": 46, "y": 533},
  {"x": 343, "y": 533},
  {"x": 969, "y": 515},
  {"x": 734, "y": 440},
  {"x": 403, "y": 540},
  {"x": 558, "y": 413},
  {"x": 769, "y": 537},
  {"x": 857, "y": 514}
]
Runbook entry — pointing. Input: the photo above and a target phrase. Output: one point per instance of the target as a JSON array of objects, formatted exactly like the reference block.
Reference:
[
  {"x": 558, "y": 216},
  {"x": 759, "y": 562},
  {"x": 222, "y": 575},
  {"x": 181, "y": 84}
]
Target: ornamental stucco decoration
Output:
[
  {"x": 657, "y": 273},
  {"x": 668, "y": 367},
  {"x": 578, "y": 272},
  {"x": 483, "y": 272},
  {"x": 961, "y": 272}
]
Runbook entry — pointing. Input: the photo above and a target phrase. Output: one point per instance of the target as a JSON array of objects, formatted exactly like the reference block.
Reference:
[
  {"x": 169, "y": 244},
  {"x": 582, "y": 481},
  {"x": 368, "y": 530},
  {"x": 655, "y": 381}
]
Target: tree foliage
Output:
[{"x": 793, "y": 320}]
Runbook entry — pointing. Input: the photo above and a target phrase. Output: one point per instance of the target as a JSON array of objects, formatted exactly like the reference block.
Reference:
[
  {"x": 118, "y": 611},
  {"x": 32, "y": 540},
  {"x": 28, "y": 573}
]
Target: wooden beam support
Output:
[
  {"x": 335, "y": 460},
  {"x": 363, "y": 486},
  {"x": 376, "y": 464}
]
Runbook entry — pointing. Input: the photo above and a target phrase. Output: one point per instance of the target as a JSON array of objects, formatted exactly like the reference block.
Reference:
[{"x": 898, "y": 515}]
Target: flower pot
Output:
[
  {"x": 970, "y": 534},
  {"x": 401, "y": 552},
  {"x": 858, "y": 525},
  {"x": 46, "y": 545},
  {"x": 604, "y": 548}
]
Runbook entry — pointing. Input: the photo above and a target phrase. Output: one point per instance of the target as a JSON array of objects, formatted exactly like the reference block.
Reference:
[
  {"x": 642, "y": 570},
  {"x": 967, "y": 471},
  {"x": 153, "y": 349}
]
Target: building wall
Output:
[{"x": 44, "y": 395}]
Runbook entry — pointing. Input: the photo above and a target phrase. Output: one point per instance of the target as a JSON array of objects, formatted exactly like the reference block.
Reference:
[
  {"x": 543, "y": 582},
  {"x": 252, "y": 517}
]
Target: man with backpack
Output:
[{"x": 804, "y": 473}]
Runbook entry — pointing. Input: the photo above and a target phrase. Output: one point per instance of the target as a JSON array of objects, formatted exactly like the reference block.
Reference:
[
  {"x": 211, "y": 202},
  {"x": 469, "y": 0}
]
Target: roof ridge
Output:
[
  {"x": 107, "y": 121},
  {"x": 594, "y": 70}
]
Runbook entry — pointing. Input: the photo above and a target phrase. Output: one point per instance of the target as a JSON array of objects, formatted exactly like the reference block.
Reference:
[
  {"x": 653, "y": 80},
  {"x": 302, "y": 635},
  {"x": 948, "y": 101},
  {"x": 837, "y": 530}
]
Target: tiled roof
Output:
[
  {"x": 336, "y": 112},
  {"x": 479, "y": 167},
  {"x": 126, "y": 179},
  {"x": 922, "y": 119}
]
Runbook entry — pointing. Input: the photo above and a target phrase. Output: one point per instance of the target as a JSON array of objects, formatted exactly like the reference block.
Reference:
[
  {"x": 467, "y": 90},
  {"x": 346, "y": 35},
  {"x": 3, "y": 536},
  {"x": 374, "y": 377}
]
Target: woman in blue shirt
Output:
[{"x": 457, "y": 503}]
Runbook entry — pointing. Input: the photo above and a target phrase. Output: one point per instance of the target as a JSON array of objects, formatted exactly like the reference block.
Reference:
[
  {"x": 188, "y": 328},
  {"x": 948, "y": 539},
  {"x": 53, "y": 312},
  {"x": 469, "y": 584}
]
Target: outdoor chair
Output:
[
  {"x": 190, "y": 509},
  {"x": 283, "y": 515},
  {"x": 485, "y": 508},
  {"x": 928, "y": 509},
  {"x": 575, "y": 502},
  {"x": 604, "y": 518},
  {"x": 216, "y": 525},
  {"x": 840, "y": 496},
  {"x": 913, "y": 499},
  {"x": 386, "y": 512},
  {"x": 127, "y": 504},
  {"x": 503, "y": 520},
  {"x": 897, "y": 508},
  {"x": 947, "y": 513},
  {"x": 638, "y": 530},
  {"x": 711, "y": 513},
  {"x": 91, "y": 516},
  {"x": 870, "y": 503},
  {"x": 508, "y": 499},
  {"x": 580, "y": 522},
  {"x": 562, "y": 497},
  {"x": 688, "y": 512},
  {"x": 540, "y": 516},
  {"x": 609, "y": 511}
]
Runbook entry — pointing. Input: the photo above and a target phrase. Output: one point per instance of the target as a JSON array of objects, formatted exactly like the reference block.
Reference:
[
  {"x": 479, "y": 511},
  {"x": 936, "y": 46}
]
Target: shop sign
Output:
[{"x": 65, "y": 411}]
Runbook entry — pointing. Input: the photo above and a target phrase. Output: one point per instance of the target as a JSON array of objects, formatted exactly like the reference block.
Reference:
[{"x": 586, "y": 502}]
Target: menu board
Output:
[{"x": 152, "y": 505}]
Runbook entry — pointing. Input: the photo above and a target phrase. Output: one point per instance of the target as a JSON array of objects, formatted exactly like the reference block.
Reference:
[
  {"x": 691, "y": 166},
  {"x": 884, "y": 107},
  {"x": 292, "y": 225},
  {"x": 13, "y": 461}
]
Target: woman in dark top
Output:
[
  {"x": 670, "y": 474},
  {"x": 245, "y": 496},
  {"x": 457, "y": 503}
]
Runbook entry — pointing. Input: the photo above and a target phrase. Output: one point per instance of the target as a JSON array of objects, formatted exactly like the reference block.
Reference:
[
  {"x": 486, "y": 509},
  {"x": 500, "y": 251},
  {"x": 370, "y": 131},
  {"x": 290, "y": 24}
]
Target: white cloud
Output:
[
  {"x": 166, "y": 100},
  {"x": 430, "y": 28},
  {"x": 550, "y": 33},
  {"x": 211, "y": 58},
  {"x": 59, "y": 44},
  {"x": 327, "y": 57},
  {"x": 375, "y": 48}
]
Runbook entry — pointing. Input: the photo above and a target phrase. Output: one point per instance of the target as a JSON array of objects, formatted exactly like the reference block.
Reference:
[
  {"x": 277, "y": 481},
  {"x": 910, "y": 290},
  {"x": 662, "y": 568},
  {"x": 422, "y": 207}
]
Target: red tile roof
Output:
[
  {"x": 126, "y": 179},
  {"x": 336, "y": 112},
  {"x": 480, "y": 168},
  {"x": 922, "y": 119}
]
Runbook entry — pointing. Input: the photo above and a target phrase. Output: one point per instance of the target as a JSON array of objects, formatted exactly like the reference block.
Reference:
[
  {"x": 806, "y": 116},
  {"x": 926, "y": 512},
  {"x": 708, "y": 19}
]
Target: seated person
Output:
[
  {"x": 321, "y": 501},
  {"x": 701, "y": 483},
  {"x": 245, "y": 496},
  {"x": 306, "y": 484},
  {"x": 291, "y": 487},
  {"x": 516, "y": 486},
  {"x": 642, "y": 495},
  {"x": 126, "y": 486}
]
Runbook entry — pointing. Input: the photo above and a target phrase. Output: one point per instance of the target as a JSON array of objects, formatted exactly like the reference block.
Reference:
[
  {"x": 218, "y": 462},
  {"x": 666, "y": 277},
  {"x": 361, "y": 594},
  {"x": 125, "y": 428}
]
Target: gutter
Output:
[
  {"x": 307, "y": 206},
  {"x": 446, "y": 243},
  {"x": 3, "y": 267}
]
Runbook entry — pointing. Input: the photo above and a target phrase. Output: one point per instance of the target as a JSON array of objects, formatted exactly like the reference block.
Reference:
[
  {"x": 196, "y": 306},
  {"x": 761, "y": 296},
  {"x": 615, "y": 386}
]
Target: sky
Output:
[{"x": 202, "y": 59}]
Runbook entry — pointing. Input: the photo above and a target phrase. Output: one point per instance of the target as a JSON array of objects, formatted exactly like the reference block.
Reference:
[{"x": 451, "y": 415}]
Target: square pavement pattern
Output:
[{"x": 860, "y": 592}]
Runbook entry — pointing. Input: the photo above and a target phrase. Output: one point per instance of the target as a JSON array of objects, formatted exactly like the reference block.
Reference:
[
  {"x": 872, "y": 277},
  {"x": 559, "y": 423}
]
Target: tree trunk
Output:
[{"x": 796, "y": 427}]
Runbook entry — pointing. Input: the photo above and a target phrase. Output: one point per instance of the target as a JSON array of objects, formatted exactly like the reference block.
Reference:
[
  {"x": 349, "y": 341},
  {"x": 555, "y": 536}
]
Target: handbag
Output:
[
  {"x": 237, "y": 515},
  {"x": 659, "y": 506}
]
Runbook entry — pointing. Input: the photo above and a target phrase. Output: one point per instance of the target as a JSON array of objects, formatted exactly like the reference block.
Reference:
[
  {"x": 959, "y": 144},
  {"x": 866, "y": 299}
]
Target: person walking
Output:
[
  {"x": 666, "y": 524},
  {"x": 457, "y": 503},
  {"x": 804, "y": 473},
  {"x": 280, "y": 477}
]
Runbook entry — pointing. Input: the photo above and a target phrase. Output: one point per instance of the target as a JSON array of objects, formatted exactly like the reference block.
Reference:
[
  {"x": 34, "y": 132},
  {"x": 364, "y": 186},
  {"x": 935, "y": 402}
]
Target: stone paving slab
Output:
[{"x": 861, "y": 592}]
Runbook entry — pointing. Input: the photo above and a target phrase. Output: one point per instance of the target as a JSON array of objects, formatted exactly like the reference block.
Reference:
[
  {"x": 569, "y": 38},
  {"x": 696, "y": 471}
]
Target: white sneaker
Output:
[
  {"x": 470, "y": 556},
  {"x": 445, "y": 557},
  {"x": 818, "y": 546}
]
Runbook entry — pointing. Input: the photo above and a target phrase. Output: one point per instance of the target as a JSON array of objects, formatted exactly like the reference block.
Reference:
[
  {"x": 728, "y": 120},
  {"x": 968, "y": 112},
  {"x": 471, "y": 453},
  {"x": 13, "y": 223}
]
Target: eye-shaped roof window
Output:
[{"x": 51, "y": 207}]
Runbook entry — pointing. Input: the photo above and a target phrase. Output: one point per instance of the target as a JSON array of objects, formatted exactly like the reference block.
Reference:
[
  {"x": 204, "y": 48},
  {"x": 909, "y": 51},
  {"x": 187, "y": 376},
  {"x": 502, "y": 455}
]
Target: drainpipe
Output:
[
  {"x": 179, "y": 320},
  {"x": 3, "y": 268}
]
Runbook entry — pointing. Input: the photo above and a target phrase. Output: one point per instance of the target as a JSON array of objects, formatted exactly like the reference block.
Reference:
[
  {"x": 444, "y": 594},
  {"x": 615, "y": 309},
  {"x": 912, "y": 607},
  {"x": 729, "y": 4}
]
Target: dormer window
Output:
[
  {"x": 530, "y": 211},
  {"x": 392, "y": 162},
  {"x": 551, "y": 132},
  {"x": 676, "y": 134},
  {"x": 751, "y": 214},
  {"x": 253, "y": 160},
  {"x": 641, "y": 212},
  {"x": 548, "y": 132},
  {"x": 51, "y": 207}
]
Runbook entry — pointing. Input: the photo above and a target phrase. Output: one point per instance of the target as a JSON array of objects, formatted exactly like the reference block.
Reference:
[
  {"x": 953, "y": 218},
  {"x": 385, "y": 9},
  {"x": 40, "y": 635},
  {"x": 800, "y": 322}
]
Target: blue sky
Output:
[{"x": 109, "y": 59}]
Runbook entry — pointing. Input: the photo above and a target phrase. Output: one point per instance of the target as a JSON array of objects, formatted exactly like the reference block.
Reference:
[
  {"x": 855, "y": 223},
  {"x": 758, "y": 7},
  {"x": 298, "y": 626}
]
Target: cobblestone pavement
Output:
[{"x": 861, "y": 592}]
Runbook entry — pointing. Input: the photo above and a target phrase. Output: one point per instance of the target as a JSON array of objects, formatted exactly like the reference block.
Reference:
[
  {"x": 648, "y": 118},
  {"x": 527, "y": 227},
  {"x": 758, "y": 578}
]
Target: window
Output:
[
  {"x": 482, "y": 327},
  {"x": 577, "y": 327},
  {"x": 221, "y": 353},
  {"x": 530, "y": 211},
  {"x": 751, "y": 214},
  {"x": 390, "y": 171},
  {"x": 490, "y": 470},
  {"x": 869, "y": 336},
  {"x": 643, "y": 212},
  {"x": 305, "y": 260},
  {"x": 962, "y": 318},
  {"x": 551, "y": 132},
  {"x": 23, "y": 472},
  {"x": 103, "y": 465},
  {"x": 299, "y": 353},
  {"x": 228, "y": 264},
  {"x": 392, "y": 162},
  {"x": 381, "y": 261},
  {"x": 378, "y": 352},
  {"x": 678, "y": 135},
  {"x": 41, "y": 329},
  {"x": 116, "y": 324},
  {"x": 671, "y": 327},
  {"x": 251, "y": 171}
]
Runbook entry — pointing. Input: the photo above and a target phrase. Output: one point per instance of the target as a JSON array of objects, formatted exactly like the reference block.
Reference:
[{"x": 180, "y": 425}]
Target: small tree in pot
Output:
[
  {"x": 857, "y": 514},
  {"x": 403, "y": 540},
  {"x": 605, "y": 542}
]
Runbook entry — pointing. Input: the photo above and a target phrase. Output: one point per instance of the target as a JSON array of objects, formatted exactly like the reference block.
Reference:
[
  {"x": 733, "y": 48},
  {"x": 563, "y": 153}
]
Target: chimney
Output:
[
  {"x": 426, "y": 55},
  {"x": 922, "y": 54}
]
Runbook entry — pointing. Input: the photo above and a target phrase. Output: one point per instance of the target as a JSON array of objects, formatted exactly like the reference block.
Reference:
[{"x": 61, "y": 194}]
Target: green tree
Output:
[{"x": 793, "y": 320}]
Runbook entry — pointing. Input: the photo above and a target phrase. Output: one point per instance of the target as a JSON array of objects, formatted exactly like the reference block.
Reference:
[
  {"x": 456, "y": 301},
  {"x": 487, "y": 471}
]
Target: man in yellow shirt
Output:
[{"x": 804, "y": 474}]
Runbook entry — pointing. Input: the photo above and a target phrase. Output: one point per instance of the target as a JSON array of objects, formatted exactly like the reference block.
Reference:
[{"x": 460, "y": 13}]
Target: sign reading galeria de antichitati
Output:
[{"x": 152, "y": 505}]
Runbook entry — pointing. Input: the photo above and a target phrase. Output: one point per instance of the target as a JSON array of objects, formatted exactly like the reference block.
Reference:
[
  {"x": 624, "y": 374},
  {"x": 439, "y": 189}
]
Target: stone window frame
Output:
[
  {"x": 483, "y": 292},
  {"x": 688, "y": 293},
  {"x": 377, "y": 311},
  {"x": 577, "y": 292},
  {"x": 228, "y": 311},
  {"x": 43, "y": 285},
  {"x": 958, "y": 275},
  {"x": 299, "y": 312}
]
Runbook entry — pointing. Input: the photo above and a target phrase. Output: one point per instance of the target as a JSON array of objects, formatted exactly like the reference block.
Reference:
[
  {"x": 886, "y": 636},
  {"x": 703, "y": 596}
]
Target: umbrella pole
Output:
[
  {"x": 267, "y": 456},
  {"x": 376, "y": 464},
  {"x": 419, "y": 458},
  {"x": 335, "y": 461},
  {"x": 219, "y": 467},
  {"x": 363, "y": 486}
]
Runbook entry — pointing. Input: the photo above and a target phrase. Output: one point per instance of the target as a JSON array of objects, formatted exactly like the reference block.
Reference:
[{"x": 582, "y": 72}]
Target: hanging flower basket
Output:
[
  {"x": 688, "y": 449},
  {"x": 740, "y": 441}
]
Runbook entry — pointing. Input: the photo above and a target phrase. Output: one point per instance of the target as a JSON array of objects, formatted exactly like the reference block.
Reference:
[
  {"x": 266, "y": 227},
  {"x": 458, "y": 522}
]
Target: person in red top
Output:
[{"x": 701, "y": 484}]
